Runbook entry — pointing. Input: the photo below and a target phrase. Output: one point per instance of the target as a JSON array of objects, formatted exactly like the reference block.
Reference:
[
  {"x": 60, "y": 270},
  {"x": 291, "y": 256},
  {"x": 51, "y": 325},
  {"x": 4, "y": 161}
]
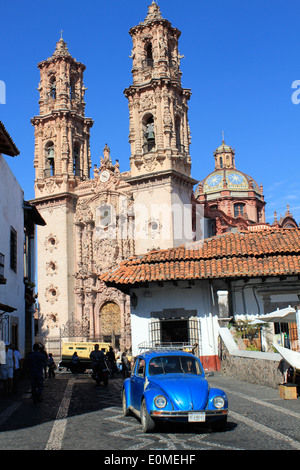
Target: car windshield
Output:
[{"x": 174, "y": 365}]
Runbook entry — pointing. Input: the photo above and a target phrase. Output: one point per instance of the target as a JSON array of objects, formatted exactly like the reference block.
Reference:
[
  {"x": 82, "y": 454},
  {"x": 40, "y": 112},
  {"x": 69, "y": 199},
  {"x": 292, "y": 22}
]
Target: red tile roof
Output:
[
  {"x": 232, "y": 255},
  {"x": 7, "y": 145}
]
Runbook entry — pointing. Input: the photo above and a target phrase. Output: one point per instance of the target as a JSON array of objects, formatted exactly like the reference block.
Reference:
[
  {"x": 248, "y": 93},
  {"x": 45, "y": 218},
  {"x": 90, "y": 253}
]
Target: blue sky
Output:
[{"x": 241, "y": 58}]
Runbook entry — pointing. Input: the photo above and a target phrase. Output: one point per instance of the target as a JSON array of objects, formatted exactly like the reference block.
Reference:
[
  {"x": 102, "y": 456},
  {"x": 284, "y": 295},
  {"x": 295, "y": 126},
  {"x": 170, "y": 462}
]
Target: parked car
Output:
[
  {"x": 83, "y": 351},
  {"x": 171, "y": 386}
]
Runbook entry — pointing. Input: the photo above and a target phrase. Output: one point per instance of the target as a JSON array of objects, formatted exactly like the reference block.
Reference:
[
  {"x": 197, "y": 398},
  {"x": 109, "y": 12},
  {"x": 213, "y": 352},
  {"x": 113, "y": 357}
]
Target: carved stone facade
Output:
[
  {"x": 93, "y": 223},
  {"x": 89, "y": 226}
]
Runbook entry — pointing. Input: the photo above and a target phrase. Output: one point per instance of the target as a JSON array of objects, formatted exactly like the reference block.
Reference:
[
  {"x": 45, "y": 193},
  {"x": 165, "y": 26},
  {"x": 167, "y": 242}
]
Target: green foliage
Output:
[
  {"x": 252, "y": 347},
  {"x": 246, "y": 330}
]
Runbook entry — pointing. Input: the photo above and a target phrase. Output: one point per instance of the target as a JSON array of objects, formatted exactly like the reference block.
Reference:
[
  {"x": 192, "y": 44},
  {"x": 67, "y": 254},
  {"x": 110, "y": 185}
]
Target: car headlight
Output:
[
  {"x": 160, "y": 401},
  {"x": 219, "y": 402}
]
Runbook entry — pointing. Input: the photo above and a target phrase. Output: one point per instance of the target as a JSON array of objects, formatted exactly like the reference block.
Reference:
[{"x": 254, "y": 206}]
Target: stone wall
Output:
[{"x": 251, "y": 366}]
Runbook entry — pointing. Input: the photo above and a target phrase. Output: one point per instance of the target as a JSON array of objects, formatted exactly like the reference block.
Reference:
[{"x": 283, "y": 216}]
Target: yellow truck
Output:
[{"x": 83, "y": 351}]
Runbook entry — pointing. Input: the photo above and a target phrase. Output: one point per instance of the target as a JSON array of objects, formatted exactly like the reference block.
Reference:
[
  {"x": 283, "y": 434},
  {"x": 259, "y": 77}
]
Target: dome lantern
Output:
[{"x": 224, "y": 156}]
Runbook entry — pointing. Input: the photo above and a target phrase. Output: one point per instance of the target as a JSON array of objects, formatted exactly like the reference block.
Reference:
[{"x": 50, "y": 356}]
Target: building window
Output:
[
  {"x": 1, "y": 266},
  {"x": 178, "y": 133},
  {"x": 53, "y": 88},
  {"x": 13, "y": 249},
  {"x": 49, "y": 159},
  {"x": 14, "y": 333},
  {"x": 239, "y": 209},
  {"x": 149, "y": 57},
  {"x": 141, "y": 368},
  {"x": 72, "y": 90},
  {"x": 76, "y": 161},
  {"x": 105, "y": 216}
]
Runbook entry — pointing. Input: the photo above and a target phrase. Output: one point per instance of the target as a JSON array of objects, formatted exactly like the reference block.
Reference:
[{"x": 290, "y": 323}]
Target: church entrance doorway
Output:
[{"x": 110, "y": 324}]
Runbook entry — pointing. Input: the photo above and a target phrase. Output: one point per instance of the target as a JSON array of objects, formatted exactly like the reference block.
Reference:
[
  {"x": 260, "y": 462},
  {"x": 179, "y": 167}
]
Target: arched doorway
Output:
[{"x": 110, "y": 324}]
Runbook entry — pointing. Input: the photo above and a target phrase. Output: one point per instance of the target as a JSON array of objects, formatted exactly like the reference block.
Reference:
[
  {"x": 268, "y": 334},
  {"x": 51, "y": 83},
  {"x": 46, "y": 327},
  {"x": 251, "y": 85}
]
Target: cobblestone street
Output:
[{"x": 78, "y": 415}]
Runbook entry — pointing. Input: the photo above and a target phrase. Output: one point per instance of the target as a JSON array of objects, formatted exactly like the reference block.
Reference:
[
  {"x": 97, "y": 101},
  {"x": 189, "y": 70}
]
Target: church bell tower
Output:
[
  {"x": 159, "y": 136},
  {"x": 62, "y": 161},
  {"x": 62, "y": 155}
]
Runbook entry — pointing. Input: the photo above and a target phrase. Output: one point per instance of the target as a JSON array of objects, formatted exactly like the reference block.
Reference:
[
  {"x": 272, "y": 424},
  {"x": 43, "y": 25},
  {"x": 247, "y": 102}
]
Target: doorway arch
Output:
[{"x": 110, "y": 323}]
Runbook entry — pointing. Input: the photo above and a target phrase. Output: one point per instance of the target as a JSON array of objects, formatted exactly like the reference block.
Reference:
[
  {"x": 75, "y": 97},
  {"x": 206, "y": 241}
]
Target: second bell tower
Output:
[{"x": 159, "y": 136}]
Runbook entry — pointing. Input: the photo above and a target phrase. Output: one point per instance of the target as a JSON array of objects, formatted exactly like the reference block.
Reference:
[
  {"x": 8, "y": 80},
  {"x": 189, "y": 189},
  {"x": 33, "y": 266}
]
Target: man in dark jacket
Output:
[
  {"x": 97, "y": 358},
  {"x": 36, "y": 363}
]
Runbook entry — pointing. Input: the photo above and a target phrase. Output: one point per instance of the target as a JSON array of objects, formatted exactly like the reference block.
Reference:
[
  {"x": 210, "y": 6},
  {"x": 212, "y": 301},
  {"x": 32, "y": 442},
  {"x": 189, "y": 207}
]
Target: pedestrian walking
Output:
[
  {"x": 75, "y": 363},
  {"x": 7, "y": 370},
  {"x": 17, "y": 370},
  {"x": 97, "y": 357},
  {"x": 43, "y": 351},
  {"x": 111, "y": 361},
  {"x": 125, "y": 365},
  {"x": 118, "y": 356},
  {"x": 51, "y": 366},
  {"x": 36, "y": 363}
]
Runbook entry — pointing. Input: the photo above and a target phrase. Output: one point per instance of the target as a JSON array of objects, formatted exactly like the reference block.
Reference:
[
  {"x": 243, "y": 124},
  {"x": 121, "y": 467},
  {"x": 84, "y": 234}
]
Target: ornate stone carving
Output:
[
  {"x": 51, "y": 268},
  {"x": 52, "y": 293},
  {"x": 51, "y": 242}
]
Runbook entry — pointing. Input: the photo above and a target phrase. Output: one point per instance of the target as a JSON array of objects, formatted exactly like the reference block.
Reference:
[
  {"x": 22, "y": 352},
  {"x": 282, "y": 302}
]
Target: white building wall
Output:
[
  {"x": 197, "y": 297},
  {"x": 55, "y": 242},
  {"x": 248, "y": 298},
  {"x": 182, "y": 215},
  {"x": 257, "y": 297},
  {"x": 11, "y": 215}
]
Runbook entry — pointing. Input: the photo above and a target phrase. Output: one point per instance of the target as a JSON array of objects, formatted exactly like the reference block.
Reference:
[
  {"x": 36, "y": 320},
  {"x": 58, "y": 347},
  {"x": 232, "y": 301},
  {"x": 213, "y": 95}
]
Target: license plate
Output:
[{"x": 196, "y": 417}]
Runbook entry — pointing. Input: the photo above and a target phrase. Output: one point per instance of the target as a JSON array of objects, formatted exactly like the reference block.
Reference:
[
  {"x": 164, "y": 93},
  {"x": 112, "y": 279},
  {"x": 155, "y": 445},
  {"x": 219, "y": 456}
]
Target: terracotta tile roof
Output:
[
  {"x": 232, "y": 255},
  {"x": 7, "y": 145}
]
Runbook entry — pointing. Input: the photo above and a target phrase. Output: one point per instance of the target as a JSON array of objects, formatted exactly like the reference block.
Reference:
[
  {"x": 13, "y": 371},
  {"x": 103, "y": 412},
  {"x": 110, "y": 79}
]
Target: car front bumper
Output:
[{"x": 189, "y": 416}]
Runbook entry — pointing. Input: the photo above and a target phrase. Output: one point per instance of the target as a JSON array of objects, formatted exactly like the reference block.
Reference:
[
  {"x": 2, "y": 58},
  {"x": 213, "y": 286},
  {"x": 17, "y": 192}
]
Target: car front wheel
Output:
[{"x": 148, "y": 424}]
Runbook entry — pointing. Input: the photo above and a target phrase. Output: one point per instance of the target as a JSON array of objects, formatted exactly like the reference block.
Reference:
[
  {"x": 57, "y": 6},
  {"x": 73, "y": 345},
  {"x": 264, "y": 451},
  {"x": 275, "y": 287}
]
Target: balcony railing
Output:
[
  {"x": 48, "y": 172},
  {"x": 78, "y": 172},
  {"x": 147, "y": 63},
  {"x": 180, "y": 148},
  {"x": 148, "y": 146}
]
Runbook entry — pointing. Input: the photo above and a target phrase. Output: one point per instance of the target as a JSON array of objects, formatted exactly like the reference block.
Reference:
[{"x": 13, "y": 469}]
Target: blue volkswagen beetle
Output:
[{"x": 171, "y": 386}]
